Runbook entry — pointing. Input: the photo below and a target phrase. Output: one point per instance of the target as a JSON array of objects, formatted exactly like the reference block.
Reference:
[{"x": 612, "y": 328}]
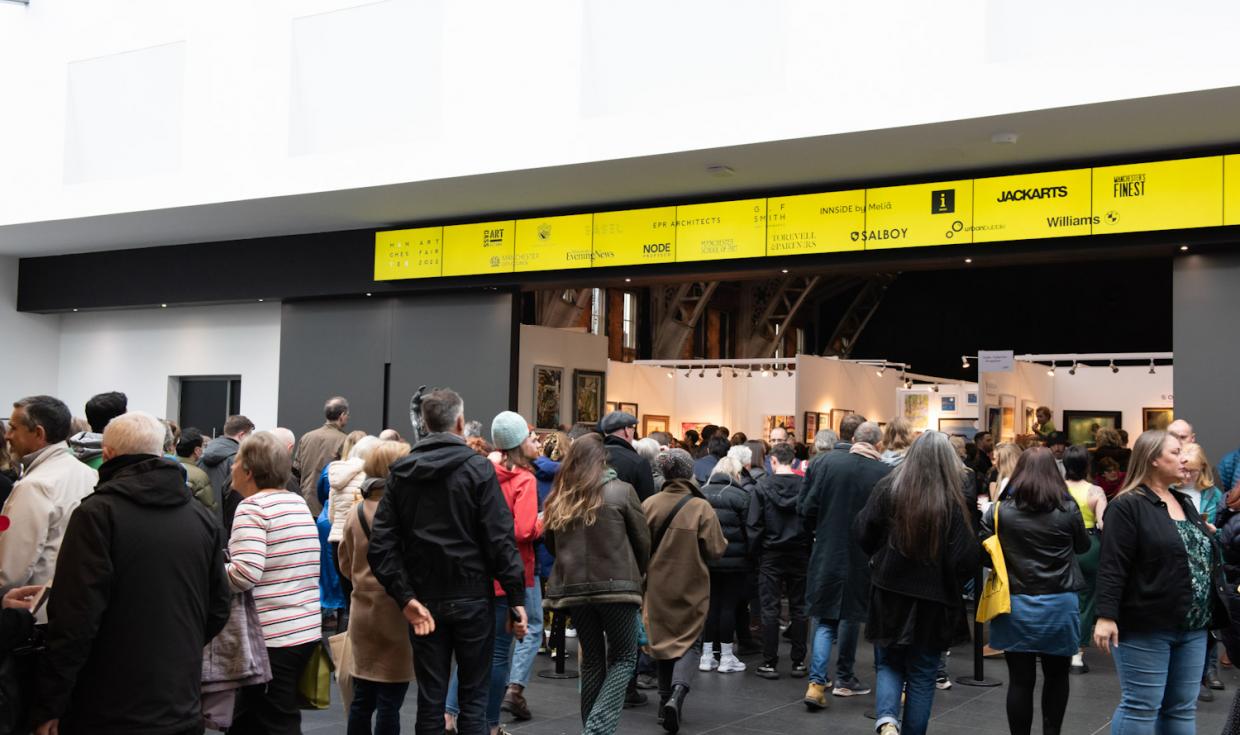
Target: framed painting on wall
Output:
[
  {"x": 947, "y": 404},
  {"x": 811, "y": 426},
  {"x": 1082, "y": 425},
  {"x": 917, "y": 410},
  {"x": 959, "y": 427},
  {"x": 687, "y": 426},
  {"x": 994, "y": 421},
  {"x": 1156, "y": 418},
  {"x": 837, "y": 415},
  {"x": 610, "y": 406},
  {"x": 787, "y": 423},
  {"x": 548, "y": 388},
  {"x": 1029, "y": 417},
  {"x": 971, "y": 399},
  {"x": 652, "y": 423},
  {"x": 630, "y": 408},
  {"x": 589, "y": 387}
]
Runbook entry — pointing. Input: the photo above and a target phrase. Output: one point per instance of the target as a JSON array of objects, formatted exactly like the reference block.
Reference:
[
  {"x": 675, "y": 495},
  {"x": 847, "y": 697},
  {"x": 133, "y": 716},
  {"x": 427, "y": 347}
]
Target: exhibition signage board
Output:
[
  {"x": 1141, "y": 197},
  {"x": 996, "y": 361}
]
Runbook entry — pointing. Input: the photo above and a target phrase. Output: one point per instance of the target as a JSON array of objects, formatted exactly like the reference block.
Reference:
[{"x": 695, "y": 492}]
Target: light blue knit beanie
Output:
[{"x": 508, "y": 430}]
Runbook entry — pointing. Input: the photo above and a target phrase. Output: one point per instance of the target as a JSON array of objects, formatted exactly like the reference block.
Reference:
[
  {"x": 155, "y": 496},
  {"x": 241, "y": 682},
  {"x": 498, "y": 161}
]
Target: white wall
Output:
[
  {"x": 136, "y": 352},
  {"x": 1129, "y": 390},
  {"x": 32, "y": 344},
  {"x": 824, "y": 384},
  {"x": 647, "y": 386},
  {"x": 562, "y": 348},
  {"x": 239, "y": 99}
]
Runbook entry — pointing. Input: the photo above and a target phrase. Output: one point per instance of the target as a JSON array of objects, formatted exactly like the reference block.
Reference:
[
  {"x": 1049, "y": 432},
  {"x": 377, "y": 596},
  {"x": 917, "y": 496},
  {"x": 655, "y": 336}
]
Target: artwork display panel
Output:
[
  {"x": 548, "y": 390},
  {"x": 1082, "y": 425},
  {"x": 589, "y": 387}
]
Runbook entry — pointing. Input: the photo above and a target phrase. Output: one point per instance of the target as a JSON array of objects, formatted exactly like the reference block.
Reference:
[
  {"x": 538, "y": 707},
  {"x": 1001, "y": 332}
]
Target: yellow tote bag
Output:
[
  {"x": 996, "y": 596},
  {"x": 315, "y": 684}
]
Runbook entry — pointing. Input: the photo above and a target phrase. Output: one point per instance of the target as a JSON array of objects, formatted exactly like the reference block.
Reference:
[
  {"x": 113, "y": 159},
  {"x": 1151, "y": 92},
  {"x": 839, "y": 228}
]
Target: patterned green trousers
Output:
[{"x": 607, "y": 634}]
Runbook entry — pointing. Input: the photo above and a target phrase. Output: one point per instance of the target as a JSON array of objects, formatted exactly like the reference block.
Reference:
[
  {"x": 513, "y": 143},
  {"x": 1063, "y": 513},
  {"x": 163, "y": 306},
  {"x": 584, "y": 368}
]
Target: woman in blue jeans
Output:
[
  {"x": 1157, "y": 593},
  {"x": 922, "y": 548}
]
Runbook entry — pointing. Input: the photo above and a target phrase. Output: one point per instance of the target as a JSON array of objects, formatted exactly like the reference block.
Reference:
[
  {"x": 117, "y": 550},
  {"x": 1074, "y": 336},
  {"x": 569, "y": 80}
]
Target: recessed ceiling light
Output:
[
  {"x": 163, "y": 306},
  {"x": 260, "y": 301},
  {"x": 368, "y": 293},
  {"x": 785, "y": 270},
  {"x": 75, "y": 311},
  {"x": 1183, "y": 248},
  {"x": 968, "y": 260},
  {"x": 628, "y": 280}
]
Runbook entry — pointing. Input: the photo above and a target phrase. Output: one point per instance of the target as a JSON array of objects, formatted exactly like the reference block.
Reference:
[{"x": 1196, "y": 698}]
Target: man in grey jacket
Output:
[{"x": 217, "y": 460}]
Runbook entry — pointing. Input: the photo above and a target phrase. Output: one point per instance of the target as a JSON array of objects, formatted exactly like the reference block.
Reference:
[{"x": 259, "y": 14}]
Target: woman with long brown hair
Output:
[
  {"x": 1157, "y": 592},
  {"x": 595, "y": 527},
  {"x": 1041, "y": 532},
  {"x": 922, "y": 551}
]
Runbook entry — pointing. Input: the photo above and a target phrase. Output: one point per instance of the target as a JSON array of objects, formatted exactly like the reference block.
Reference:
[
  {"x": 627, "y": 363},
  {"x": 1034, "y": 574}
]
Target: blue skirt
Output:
[{"x": 1049, "y": 624}]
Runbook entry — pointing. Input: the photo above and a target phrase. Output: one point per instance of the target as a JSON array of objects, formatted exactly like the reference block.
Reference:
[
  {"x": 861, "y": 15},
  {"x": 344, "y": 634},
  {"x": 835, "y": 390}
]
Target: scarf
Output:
[{"x": 865, "y": 450}]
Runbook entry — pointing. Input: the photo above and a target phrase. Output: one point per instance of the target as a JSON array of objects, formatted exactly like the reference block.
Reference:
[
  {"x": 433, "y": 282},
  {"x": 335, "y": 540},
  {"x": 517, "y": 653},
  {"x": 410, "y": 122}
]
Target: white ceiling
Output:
[{"x": 1130, "y": 128}]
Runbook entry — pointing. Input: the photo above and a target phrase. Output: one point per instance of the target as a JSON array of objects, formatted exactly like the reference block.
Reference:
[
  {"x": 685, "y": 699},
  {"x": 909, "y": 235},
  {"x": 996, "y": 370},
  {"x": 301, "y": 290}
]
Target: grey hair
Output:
[
  {"x": 742, "y": 454},
  {"x": 675, "y": 464},
  {"x": 930, "y": 462},
  {"x": 867, "y": 433},
  {"x": 648, "y": 448},
  {"x": 727, "y": 466},
  {"x": 136, "y": 432},
  {"x": 286, "y": 436},
  {"x": 825, "y": 440}
]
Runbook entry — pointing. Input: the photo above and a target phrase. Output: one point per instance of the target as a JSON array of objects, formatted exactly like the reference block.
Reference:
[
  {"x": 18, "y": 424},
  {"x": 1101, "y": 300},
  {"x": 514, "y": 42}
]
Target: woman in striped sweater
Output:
[{"x": 274, "y": 551}]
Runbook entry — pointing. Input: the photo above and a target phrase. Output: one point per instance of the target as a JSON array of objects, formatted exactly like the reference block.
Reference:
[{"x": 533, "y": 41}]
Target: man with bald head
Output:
[
  {"x": 838, "y": 581},
  {"x": 1183, "y": 431},
  {"x": 320, "y": 447}
]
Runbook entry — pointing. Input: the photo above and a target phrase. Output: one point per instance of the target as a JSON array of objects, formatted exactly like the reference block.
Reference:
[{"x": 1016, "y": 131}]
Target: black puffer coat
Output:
[{"x": 731, "y": 504}]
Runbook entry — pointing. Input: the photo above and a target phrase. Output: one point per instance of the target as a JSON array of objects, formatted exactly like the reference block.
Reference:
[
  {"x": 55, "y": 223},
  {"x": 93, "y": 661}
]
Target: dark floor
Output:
[{"x": 743, "y": 703}]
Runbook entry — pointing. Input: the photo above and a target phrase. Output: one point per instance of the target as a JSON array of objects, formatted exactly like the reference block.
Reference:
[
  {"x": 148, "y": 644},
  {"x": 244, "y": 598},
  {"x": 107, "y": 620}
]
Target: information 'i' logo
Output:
[{"x": 943, "y": 201}]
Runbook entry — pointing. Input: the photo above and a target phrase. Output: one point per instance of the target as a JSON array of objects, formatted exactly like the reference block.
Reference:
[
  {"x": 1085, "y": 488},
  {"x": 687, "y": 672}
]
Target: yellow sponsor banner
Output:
[
  {"x": 416, "y": 253},
  {"x": 1166, "y": 195},
  {"x": 1029, "y": 206},
  {"x": 721, "y": 230},
  {"x": 815, "y": 223},
  {"x": 1231, "y": 189},
  {"x": 919, "y": 214},
  {"x": 478, "y": 249},
  {"x": 635, "y": 237},
  {"x": 554, "y": 243}
]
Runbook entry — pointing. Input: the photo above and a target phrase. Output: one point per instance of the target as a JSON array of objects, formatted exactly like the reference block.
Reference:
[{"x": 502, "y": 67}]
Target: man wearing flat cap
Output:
[{"x": 619, "y": 429}]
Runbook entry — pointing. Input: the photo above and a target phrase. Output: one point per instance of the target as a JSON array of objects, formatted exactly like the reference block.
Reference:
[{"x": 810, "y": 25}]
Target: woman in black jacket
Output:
[
  {"x": 1157, "y": 592},
  {"x": 594, "y": 525},
  {"x": 16, "y": 622},
  {"x": 922, "y": 548},
  {"x": 728, "y": 575},
  {"x": 1041, "y": 531}
]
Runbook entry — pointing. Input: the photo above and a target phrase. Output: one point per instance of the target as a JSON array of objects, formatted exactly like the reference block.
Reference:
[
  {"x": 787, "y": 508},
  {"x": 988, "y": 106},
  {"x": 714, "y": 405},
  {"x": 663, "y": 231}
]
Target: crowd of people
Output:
[{"x": 158, "y": 582}]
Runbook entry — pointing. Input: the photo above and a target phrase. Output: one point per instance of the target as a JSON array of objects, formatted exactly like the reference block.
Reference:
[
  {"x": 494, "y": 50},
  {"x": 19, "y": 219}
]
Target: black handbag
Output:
[{"x": 17, "y": 683}]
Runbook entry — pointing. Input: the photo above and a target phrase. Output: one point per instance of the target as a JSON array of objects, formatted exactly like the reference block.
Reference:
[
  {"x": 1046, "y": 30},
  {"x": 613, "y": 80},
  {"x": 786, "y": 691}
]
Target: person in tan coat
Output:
[
  {"x": 379, "y": 634},
  {"x": 318, "y": 448},
  {"x": 678, "y": 582}
]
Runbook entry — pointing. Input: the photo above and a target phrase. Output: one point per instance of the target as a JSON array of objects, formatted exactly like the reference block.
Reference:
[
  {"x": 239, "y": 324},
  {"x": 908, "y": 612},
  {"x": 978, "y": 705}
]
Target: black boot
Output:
[
  {"x": 674, "y": 709},
  {"x": 632, "y": 697}
]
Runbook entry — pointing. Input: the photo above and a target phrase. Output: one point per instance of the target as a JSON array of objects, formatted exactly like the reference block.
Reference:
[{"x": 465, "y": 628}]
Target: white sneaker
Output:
[
  {"x": 1078, "y": 660},
  {"x": 708, "y": 662},
  {"x": 570, "y": 632},
  {"x": 728, "y": 662}
]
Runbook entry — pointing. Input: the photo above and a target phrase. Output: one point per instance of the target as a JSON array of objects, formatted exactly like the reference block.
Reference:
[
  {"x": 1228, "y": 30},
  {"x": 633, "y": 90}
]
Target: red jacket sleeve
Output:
[{"x": 523, "y": 503}]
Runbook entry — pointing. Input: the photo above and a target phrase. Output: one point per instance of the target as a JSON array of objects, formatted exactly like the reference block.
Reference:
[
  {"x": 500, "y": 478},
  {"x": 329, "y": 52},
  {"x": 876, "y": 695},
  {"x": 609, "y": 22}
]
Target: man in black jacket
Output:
[
  {"x": 778, "y": 538},
  {"x": 619, "y": 429},
  {"x": 441, "y": 534},
  {"x": 139, "y": 591}
]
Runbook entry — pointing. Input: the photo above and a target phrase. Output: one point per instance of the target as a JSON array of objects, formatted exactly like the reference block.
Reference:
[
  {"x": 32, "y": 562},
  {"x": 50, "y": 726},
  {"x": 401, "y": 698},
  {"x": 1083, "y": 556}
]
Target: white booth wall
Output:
[
  {"x": 960, "y": 392},
  {"x": 824, "y": 383},
  {"x": 139, "y": 351},
  {"x": 563, "y": 348}
]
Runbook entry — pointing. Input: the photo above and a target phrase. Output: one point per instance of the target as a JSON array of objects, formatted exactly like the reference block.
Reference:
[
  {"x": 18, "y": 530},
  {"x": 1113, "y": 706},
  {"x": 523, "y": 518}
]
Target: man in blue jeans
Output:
[
  {"x": 441, "y": 534},
  {"x": 837, "y": 590}
]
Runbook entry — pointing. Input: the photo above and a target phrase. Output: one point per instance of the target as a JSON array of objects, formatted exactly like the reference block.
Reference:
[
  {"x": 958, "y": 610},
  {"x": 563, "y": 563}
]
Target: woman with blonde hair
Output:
[
  {"x": 1007, "y": 455},
  {"x": 1156, "y": 592},
  {"x": 382, "y": 658},
  {"x": 897, "y": 437},
  {"x": 728, "y": 574},
  {"x": 595, "y": 527}
]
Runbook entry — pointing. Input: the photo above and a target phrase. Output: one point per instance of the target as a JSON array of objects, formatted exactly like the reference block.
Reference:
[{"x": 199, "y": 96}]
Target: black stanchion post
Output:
[
  {"x": 561, "y": 654},
  {"x": 979, "y": 675}
]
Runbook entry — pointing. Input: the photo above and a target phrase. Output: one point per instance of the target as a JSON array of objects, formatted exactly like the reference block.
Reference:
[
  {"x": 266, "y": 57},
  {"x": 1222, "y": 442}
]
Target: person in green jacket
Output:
[
  {"x": 87, "y": 446},
  {"x": 189, "y": 449}
]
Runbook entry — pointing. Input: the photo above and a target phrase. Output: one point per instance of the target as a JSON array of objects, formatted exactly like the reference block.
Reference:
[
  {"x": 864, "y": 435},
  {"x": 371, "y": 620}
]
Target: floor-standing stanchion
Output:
[
  {"x": 979, "y": 675},
  {"x": 560, "y": 654}
]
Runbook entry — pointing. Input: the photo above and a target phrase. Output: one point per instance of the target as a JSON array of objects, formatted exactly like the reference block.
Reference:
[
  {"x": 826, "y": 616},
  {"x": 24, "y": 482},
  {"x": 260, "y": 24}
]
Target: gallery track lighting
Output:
[
  {"x": 1151, "y": 366},
  {"x": 1051, "y": 371},
  {"x": 764, "y": 372},
  {"x": 964, "y": 362},
  {"x": 750, "y": 373},
  {"x": 1113, "y": 368},
  {"x": 702, "y": 373},
  {"x": 671, "y": 373},
  {"x": 935, "y": 387},
  {"x": 882, "y": 369},
  {"x": 789, "y": 371},
  {"x": 1072, "y": 370},
  {"x": 688, "y": 373},
  {"x": 719, "y": 373}
]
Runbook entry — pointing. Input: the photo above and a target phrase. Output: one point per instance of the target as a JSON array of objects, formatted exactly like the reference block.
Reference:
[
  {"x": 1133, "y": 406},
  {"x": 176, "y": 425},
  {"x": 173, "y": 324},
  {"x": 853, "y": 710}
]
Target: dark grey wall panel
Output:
[
  {"x": 1206, "y": 305},
  {"x": 464, "y": 341},
  {"x": 330, "y": 348},
  {"x": 460, "y": 341}
]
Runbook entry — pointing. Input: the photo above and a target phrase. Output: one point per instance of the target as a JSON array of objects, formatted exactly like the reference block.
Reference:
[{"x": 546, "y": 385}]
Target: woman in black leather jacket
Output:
[
  {"x": 1041, "y": 531},
  {"x": 16, "y": 622},
  {"x": 728, "y": 575}
]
